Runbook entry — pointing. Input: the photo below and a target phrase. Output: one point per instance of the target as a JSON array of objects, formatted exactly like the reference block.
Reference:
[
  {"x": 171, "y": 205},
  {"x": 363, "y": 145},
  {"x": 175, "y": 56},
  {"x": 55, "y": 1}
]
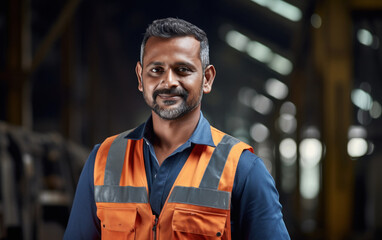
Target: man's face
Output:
[{"x": 171, "y": 77}]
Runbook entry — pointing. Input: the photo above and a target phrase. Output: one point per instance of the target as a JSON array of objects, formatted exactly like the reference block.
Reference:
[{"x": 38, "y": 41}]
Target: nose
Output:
[{"x": 170, "y": 79}]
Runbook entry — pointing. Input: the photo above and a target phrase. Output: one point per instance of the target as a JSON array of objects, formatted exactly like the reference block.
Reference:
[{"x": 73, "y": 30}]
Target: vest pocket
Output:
[
  {"x": 117, "y": 223},
  {"x": 195, "y": 224}
]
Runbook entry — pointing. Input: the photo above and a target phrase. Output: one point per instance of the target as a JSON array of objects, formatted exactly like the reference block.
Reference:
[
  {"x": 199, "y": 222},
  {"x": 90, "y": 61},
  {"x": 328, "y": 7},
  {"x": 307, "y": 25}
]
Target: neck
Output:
[{"x": 171, "y": 134}]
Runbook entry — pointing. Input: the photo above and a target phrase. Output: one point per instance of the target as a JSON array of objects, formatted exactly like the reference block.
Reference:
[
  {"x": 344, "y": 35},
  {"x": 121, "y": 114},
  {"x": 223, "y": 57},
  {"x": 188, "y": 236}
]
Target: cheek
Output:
[{"x": 148, "y": 90}]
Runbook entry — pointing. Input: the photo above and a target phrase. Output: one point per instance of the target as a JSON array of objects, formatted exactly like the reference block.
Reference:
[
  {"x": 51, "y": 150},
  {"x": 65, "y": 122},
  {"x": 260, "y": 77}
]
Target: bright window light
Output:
[
  {"x": 310, "y": 182},
  {"x": 357, "y": 147},
  {"x": 281, "y": 64},
  {"x": 288, "y": 151},
  {"x": 259, "y": 132},
  {"x": 276, "y": 88},
  {"x": 362, "y": 99},
  {"x": 288, "y": 107},
  {"x": 282, "y": 8},
  {"x": 310, "y": 152},
  {"x": 376, "y": 110},
  {"x": 287, "y": 123},
  {"x": 262, "y": 104},
  {"x": 365, "y": 37},
  {"x": 316, "y": 20},
  {"x": 259, "y": 52},
  {"x": 287, "y": 10},
  {"x": 237, "y": 40}
]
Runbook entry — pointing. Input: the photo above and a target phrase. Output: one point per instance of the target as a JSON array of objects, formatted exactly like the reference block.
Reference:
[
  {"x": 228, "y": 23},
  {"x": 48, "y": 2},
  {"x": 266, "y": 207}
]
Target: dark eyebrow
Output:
[
  {"x": 190, "y": 65},
  {"x": 155, "y": 64}
]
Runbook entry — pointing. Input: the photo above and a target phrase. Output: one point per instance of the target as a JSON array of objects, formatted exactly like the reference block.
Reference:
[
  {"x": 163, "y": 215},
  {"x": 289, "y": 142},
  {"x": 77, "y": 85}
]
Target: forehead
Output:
[{"x": 168, "y": 49}]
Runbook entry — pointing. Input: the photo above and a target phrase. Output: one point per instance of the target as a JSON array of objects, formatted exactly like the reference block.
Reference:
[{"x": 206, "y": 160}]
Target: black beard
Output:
[
  {"x": 177, "y": 113},
  {"x": 172, "y": 91},
  {"x": 173, "y": 113}
]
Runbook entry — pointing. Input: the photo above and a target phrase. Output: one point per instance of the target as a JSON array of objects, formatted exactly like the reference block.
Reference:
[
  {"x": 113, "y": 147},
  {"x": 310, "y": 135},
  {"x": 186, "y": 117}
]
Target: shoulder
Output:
[
  {"x": 252, "y": 173},
  {"x": 218, "y": 135},
  {"x": 89, "y": 164},
  {"x": 106, "y": 144}
]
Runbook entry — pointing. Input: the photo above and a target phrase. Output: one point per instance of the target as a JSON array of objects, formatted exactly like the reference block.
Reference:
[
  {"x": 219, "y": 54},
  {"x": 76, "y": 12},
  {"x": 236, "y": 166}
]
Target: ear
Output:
[
  {"x": 138, "y": 71},
  {"x": 209, "y": 76}
]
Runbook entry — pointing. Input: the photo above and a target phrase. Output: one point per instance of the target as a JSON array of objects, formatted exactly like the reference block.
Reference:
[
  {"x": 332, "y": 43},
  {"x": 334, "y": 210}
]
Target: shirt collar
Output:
[{"x": 201, "y": 135}]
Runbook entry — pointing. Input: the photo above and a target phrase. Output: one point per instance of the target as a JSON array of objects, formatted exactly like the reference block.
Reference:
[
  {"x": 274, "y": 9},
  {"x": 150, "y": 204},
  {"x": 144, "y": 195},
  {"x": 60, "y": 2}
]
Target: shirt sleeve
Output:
[
  {"x": 256, "y": 210},
  {"x": 83, "y": 221}
]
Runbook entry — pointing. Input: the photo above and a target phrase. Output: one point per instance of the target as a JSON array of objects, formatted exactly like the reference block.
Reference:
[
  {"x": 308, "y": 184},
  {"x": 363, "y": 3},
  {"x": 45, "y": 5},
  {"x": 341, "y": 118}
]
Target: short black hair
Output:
[{"x": 175, "y": 27}]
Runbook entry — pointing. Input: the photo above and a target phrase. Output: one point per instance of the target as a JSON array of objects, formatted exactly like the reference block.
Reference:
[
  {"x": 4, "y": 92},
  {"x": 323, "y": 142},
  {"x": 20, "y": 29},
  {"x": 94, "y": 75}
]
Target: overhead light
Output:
[
  {"x": 310, "y": 182},
  {"x": 316, "y": 20},
  {"x": 365, "y": 37},
  {"x": 357, "y": 144},
  {"x": 288, "y": 108},
  {"x": 310, "y": 152},
  {"x": 259, "y": 132},
  {"x": 361, "y": 99},
  {"x": 281, "y": 8},
  {"x": 276, "y": 88},
  {"x": 310, "y": 155},
  {"x": 364, "y": 117},
  {"x": 262, "y": 104},
  {"x": 288, "y": 151},
  {"x": 237, "y": 40},
  {"x": 281, "y": 65},
  {"x": 376, "y": 110},
  {"x": 357, "y": 147},
  {"x": 259, "y": 52},
  {"x": 287, "y": 123}
]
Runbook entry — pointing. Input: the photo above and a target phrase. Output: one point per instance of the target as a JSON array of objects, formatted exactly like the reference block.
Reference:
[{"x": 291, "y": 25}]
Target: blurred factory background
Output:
[{"x": 301, "y": 81}]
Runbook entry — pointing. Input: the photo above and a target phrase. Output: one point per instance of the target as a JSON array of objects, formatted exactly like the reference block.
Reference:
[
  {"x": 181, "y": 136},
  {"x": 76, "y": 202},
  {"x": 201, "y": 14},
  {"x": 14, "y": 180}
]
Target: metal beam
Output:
[
  {"x": 333, "y": 58},
  {"x": 19, "y": 59},
  {"x": 366, "y": 4},
  {"x": 58, "y": 27},
  {"x": 14, "y": 75}
]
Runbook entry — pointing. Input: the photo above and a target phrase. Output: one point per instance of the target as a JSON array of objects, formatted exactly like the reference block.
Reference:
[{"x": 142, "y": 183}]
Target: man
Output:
[{"x": 175, "y": 176}]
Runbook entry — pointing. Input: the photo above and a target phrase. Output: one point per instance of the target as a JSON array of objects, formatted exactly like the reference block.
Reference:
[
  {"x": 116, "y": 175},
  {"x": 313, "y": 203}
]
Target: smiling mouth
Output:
[{"x": 169, "y": 96}]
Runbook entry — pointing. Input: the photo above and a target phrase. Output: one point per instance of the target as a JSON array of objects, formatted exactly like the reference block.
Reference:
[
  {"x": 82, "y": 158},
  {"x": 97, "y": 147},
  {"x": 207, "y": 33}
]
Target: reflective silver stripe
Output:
[
  {"x": 115, "y": 160},
  {"x": 214, "y": 170},
  {"x": 200, "y": 197},
  {"x": 120, "y": 194}
]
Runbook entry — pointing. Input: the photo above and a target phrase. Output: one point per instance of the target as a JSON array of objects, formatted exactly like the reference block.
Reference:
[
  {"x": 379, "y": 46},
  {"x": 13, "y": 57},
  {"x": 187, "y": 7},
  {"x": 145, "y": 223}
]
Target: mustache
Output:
[{"x": 173, "y": 91}]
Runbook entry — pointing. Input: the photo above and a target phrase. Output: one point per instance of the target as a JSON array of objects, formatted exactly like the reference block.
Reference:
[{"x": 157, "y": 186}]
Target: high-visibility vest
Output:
[{"x": 197, "y": 207}]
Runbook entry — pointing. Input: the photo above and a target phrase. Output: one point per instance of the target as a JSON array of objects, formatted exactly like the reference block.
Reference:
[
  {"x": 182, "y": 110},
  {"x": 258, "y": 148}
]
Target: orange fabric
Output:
[
  {"x": 100, "y": 161},
  {"x": 134, "y": 150},
  {"x": 177, "y": 220}
]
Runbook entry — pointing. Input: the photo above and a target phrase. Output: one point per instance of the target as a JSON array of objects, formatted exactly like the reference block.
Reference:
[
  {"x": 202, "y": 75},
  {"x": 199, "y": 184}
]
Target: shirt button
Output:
[{"x": 218, "y": 234}]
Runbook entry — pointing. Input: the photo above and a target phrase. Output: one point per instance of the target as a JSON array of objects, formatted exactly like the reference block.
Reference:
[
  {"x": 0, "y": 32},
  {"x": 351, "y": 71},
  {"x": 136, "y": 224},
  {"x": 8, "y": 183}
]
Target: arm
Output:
[
  {"x": 256, "y": 211},
  {"x": 83, "y": 221}
]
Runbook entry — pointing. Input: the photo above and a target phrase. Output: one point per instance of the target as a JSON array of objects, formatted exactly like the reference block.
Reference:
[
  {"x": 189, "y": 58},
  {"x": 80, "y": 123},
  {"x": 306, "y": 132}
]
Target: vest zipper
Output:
[{"x": 155, "y": 227}]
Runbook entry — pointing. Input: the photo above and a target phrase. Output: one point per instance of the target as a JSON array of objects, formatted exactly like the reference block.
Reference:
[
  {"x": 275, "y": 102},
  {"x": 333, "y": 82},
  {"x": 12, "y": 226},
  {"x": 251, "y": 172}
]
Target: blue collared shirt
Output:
[{"x": 255, "y": 208}]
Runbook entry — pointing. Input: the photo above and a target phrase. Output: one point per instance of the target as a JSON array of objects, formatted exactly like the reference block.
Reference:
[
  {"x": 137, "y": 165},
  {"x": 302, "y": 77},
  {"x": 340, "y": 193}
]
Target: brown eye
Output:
[
  {"x": 183, "y": 69},
  {"x": 156, "y": 70}
]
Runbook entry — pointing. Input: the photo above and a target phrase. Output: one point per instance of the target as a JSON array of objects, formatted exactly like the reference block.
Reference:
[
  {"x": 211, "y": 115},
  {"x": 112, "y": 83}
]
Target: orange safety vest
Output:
[{"x": 198, "y": 205}]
